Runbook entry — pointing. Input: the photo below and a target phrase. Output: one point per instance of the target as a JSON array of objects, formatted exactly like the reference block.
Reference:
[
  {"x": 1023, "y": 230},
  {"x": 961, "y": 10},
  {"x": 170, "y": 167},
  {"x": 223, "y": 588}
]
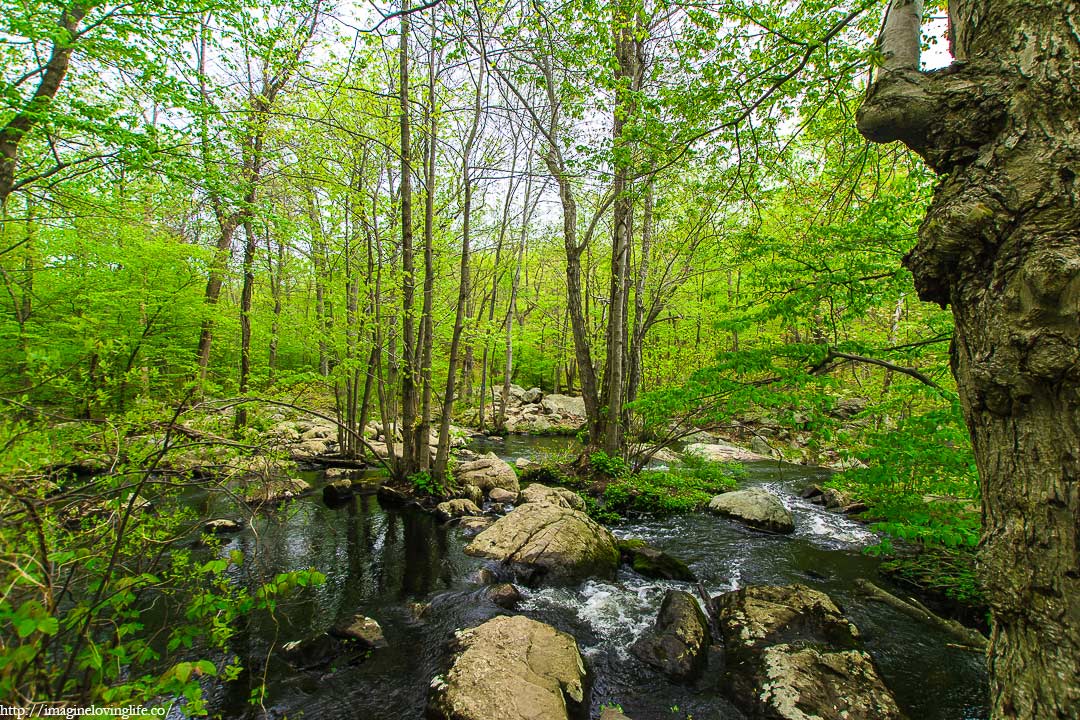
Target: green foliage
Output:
[
  {"x": 609, "y": 466},
  {"x": 949, "y": 572},
  {"x": 681, "y": 489},
  {"x": 426, "y": 484},
  {"x": 549, "y": 473}
]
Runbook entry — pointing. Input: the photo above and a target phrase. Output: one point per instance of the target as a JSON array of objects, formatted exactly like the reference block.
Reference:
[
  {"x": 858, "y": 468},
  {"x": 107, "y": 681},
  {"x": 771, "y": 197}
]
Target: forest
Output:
[{"x": 353, "y": 355}]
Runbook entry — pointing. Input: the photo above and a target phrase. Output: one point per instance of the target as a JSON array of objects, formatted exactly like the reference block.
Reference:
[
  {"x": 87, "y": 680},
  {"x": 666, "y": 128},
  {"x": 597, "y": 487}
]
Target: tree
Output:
[{"x": 1000, "y": 244}]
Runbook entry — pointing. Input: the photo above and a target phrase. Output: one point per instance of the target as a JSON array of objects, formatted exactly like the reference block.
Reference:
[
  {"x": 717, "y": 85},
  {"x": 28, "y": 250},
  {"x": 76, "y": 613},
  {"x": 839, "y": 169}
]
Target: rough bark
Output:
[
  {"x": 409, "y": 398},
  {"x": 1001, "y": 244}
]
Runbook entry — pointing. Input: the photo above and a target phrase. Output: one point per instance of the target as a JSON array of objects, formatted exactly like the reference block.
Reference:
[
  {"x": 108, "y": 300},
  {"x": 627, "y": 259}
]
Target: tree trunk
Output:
[
  {"x": 409, "y": 398},
  {"x": 1001, "y": 244}
]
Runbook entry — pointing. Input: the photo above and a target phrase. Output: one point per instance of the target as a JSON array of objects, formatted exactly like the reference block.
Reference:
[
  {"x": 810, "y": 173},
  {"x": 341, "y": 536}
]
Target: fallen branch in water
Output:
[{"x": 969, "y": 638}]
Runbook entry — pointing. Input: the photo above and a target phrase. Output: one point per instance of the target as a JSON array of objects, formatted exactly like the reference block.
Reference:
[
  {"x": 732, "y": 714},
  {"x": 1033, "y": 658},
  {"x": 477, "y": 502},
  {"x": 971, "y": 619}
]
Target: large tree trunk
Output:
[{"x": 1001, "y": 245}]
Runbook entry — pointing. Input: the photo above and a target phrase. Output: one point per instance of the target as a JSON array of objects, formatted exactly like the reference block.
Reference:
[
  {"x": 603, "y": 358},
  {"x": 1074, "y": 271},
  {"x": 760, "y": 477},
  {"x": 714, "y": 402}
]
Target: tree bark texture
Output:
[{"x": 1001, "y": 244}]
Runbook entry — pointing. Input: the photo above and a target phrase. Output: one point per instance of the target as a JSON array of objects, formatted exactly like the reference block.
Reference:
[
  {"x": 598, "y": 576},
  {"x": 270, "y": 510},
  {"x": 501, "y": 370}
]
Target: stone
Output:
[
  {"x": 790, "y": 654},
  {"x": 472, "y": 526},
  {"x": 319, "y": 432},
  {"x": 473, "y": 493},
  {"x": 337, "y": 492},
  {"x": 361, "y": 629},
  {"x": 457, "y": 508},
  {"x": 810, "y": 492},
  {"x": 542, "y": 541},
  {"x": 537, "y": 493},
  {"x": 486, "y": 473},
  {"x": 651, "y": 562},
  {"x": 611, "y": 713},
  {"x": 503, "y": 496},
  {"x": 275, "y": 490},
  {"x": 760, "y": 446},
  {"x": 510, "y": 668},
  {"x": 532, "y": 395},
  {"x": 755, "y": 507},
  {"x": 505, "y": 595},
  {"x": 717, "y": 451},
  {"x": 678, "y": 643},
  {"x": 221, "y": 525},
  {"x": 310, "y": 449},
  {"x": 555, "y": 404},
  {"x": 523, "y": 463}
]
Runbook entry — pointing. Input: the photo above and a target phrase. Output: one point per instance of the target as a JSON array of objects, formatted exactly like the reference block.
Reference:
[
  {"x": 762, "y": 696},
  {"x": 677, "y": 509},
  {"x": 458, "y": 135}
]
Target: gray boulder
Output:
[
  {"x": 532, "y": 395},
  {"x": 717, "y": 451},
  {"x": 510, "y": 668},
  {"x": 755, "y": 507},
  {"x": 503, "y": 496},
  {"x": 555, "y": 404},
  {"x": 790, "y": 654},
  {"x": 457, "y": 508},
  {"x": 550, "y": 542},
  {"x": 537, "y": 493},
  {"x": 361, "y": 629},
  {"x": 275, "y": 490},
  {"x": 678, "y": 642},
  {"x": 486, "y": 473}
]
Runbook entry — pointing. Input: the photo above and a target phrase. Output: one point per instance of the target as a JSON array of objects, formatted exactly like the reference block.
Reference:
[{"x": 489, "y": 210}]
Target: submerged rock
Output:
[
  {"x": 486, "y": 473},
  {"x": 550, "y": 542},
  {"x": 755, "y": 507},
  {"x": 537, "y": 493},
  {"x": 275, "y": 490},
  {"x": 677, "y": 644},
  {"x": 361, "y": 629},
  {"x": 221, "y": 526},
  {"x": 510, "y": 668},
  {"x": 790, "y": 654},
  {"x": 650, "y": 562},
  {"x": 337, "y": 492}
]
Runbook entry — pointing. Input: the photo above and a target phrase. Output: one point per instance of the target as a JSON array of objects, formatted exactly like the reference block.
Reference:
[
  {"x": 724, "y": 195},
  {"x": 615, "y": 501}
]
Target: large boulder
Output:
[
  {"x": 790, "y": 654},
  {"x": 755, "y": 507},
  {"x": 651, "y": 562},
  {"x": 361, "y": 629},
  {"x": 678, "y": 643},
  {"x": 717, "y": 451},
  {"x": 486, "y": 473},
  {"x": 556, "y": 404},
  {"x": 503, "y": 496},
  {"x": 550, "y": 542},
  {"x": 532, "y": 395},
  {"x": 537, "y": 493},
  {"x": 510, "y": 668}
]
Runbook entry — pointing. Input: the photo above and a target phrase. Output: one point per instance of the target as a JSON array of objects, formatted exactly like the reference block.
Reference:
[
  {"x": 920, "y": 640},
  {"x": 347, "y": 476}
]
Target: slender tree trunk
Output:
[
  {"x": 1001, "y": 244},
  {"x": 427, "y": 328},
  {"x": 246, "y": 295},
  {"x": 409, "y": 356},
  {"x": 641, "y": 326}
]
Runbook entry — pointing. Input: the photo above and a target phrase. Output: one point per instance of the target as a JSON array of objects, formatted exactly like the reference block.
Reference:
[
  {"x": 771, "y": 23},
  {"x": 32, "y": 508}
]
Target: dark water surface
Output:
[{"x": 380, "y": 562}]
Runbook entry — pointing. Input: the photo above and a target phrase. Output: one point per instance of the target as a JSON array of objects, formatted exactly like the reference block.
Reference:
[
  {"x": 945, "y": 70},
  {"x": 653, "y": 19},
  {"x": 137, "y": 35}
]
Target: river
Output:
[{"x": 383, "y": 563}]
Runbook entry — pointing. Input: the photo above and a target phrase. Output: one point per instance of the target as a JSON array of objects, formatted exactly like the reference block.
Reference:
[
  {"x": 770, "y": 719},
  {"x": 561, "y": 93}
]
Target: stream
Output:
[{"x": 382, "y": 563}]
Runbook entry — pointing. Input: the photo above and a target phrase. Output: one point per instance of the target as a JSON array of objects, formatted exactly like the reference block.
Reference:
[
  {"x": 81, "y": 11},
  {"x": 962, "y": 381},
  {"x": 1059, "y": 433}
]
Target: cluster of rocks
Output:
[
  {"x": 315, "y": 439},
  {"x": 832, "y": 499},
  {"x": 531, "y": 411}
]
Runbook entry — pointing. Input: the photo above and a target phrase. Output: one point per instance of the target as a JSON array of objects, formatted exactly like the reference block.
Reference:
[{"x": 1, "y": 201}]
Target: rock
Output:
[
  {"x": 791, "y": 655},
  {"x": 472, "y": 526},
  {"x": 319, "y": 432},
  {"x": 221, "y": 526},
  {"x": 517, "y": 392},
  {"x": 336, "y": 473},
  {"x": 275, "y": 490},
  {"x": 532, "y": 395},
  {"x": 834, "y": 499},
  {"x": 503, "y": 496},
  {"x": 849, "y": 407},
  {"x": 285, "y": 430},
  {"x": 755, "y": 507},
  {"x": 611, "y": 713},
  {"x": 677, "y": 644},
  {"x": 555, "y": 404},
  {"x": 653, "y": 563},
  {"x": 552, "y": 542},
  {"x": 510, "y": 668},
  {"x": 505, "y": 595},
  {"x": 717, "y": 451},
  {"x": 361, "y": 629},
  {"x": 855, "y": 508},
  {"x": 310, "y": 449},
  {"x": 337, "y": 492},
  {"x": 810, "y": 492},
  {"x": 486, "y": 473},
  {"x": 761, "y": 447},
  {"x": 523, "y": 463},
  {"x": 457, "y": 508},
  {"x": 473, "y": 493},
  {"x": 842, "y": 685},
  {"x": 537, "y": 493}
]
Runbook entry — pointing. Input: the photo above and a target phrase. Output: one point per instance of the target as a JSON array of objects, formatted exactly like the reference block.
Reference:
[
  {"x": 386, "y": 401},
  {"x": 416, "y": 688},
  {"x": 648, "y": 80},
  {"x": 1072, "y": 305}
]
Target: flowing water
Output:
[{"x": 383, "y": 562}]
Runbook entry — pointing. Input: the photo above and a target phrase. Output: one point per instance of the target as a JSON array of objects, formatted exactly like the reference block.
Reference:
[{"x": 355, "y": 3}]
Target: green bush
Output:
[{"x": 681, "y": 489}]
